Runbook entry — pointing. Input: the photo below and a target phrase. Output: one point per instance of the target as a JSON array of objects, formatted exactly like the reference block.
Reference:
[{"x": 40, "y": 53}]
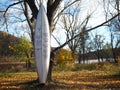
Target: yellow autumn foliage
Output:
[
  {"x": 5, "y": 33},
  {"x": 64, "y": 56}
]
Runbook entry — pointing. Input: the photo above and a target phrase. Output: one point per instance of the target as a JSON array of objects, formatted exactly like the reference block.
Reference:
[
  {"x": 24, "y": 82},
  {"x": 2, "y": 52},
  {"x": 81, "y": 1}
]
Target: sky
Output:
[
  {"x": 15, "y": 26},
  {"x": 87, "y": 6}
]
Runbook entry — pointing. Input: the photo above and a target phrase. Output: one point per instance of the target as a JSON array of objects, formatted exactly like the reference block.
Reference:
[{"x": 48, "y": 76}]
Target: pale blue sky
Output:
[{"x": 87, "y": 7}]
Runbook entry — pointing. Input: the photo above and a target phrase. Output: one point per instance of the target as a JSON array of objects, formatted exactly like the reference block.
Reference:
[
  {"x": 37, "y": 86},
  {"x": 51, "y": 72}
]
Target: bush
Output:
[
  {"x": 84, "y": 67},
  {"x": 106, "y": 67},
  {"x": 65, "y": 66},
  {"x": 113, "y": 69},
  {"x": 74, "y": 67}
]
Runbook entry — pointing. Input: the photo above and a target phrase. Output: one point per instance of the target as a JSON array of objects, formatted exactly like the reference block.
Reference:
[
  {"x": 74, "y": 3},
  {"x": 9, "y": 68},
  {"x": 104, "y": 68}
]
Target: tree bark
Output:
[
  {"x": 52, "y": 58},
  {"x": 51, "y": 11},
  {"x": 33, "y": 7}
]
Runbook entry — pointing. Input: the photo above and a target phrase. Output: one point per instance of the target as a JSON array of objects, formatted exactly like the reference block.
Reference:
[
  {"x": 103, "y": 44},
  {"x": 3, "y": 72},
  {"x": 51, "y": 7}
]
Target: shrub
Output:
[
  {"x": 84, "y": 67},
  {"x": 65, "y": 66},
  {"x": 106, "y": 67},
  {"x": 113, "y": 69},
  {"x": 74, "y": 67}
]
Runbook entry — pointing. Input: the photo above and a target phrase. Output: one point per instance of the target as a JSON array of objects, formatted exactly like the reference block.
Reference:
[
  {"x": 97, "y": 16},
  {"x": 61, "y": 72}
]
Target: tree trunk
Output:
[
  {"x": 49, "y": 77},
  {"x": 52, "y": 57},
  {"x": 98, "y": 55},
  {"x": 28, "y": 63},
  {"x": 114, "y": 55},
  {"x": 51, "y": 11}
]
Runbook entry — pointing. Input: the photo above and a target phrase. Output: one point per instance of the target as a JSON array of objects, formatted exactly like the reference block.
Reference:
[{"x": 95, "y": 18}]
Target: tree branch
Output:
[
  {"x": 11, "y": 6},
  {"x": 56, "y": 39},
  {"x": 55, "y": 4},
  {"x": 85, "y": 32},
  {"x": 30, "y": 22},
  {"x": 33, "y": 7},
  {"x": 66, "y": 8}
]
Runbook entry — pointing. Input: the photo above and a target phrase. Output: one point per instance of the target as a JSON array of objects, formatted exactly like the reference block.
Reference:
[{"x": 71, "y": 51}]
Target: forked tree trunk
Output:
[{"x": 51, "y": 12}]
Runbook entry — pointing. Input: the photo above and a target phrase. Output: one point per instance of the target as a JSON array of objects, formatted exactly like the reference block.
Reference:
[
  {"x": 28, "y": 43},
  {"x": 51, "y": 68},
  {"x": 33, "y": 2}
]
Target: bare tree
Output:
[
  {"x": 107, "y": 52},
  {"x": 30, "y": 6},
  {"x": 73, "y": 25},
  {"x": 115, "y": 40},
  {"x": 30, "y": 11},
  {"x": 98, "y": 46},
  {"x": 112, "y": 7}
]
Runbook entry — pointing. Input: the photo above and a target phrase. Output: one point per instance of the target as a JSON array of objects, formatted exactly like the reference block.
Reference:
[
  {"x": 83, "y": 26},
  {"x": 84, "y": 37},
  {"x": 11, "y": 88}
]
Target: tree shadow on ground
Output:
[
  {"x": 93, "y": 83},
  {"x": 73, "y": 82}
]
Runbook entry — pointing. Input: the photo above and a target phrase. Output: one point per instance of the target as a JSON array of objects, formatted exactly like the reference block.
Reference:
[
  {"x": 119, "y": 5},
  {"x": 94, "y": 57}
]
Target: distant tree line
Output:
[{"x": 7, "y": 42}]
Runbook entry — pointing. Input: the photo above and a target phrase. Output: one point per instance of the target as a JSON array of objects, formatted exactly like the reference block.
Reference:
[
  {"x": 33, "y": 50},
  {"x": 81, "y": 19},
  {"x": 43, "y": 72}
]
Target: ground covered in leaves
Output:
[
  {"x": 64, "y": 80},
  {"x": 94, "y": 77}
]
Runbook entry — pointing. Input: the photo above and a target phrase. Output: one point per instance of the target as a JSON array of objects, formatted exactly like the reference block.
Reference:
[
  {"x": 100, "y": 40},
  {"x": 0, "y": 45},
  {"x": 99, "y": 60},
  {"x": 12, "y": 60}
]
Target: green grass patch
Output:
[{"x": 106, "y": 67}]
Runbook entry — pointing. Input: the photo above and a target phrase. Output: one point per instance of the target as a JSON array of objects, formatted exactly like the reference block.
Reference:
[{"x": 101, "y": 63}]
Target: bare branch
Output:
[
  {"x": 55, "y": 4},
  {"x": 81, "y": 33},
  {"x": 56, "y": 39},
  {"x": 66, "y": 8},
  {"x": 30, "y": 22},
  {"x": 11, "y": 6}
]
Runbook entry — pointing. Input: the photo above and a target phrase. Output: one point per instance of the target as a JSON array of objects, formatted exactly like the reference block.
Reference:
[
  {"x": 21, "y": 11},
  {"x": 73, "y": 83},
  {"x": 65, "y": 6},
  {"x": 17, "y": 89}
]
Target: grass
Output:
[
  {"x": 70, "y": 80},
  {"x": 103, "y": 76}
]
